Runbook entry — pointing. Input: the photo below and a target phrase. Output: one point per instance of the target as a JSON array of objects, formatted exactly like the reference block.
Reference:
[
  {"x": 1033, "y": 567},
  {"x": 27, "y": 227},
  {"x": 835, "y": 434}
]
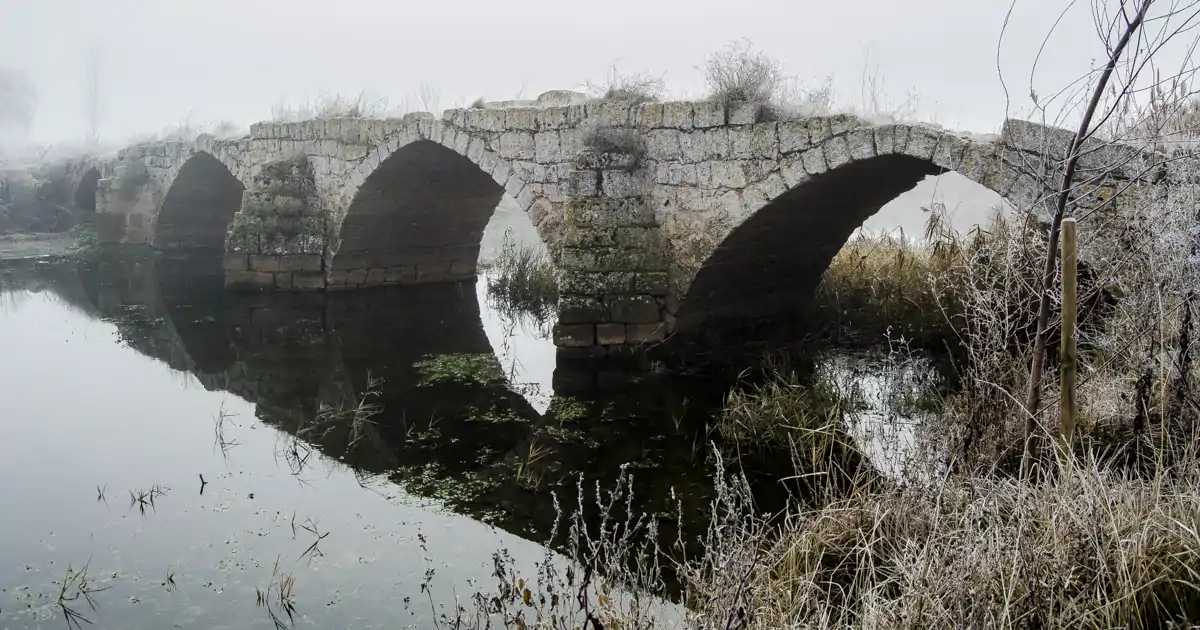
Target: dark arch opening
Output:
[
  {"x": 85, "y": 194},
  {"x": 771, "y": 264},
  {"x": 198, "y": 207},
  {"x": 417, "y": 218}
]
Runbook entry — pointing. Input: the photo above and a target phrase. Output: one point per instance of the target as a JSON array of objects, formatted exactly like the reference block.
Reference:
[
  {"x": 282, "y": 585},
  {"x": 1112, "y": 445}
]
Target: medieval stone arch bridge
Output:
[{"x": 662, "y": 217}]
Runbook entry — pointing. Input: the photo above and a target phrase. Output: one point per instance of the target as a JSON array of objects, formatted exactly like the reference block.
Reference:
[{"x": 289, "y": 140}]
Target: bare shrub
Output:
[
  {"x": 629, "y": 89},
  {"x": 188, "y": 130},
  {"x": 738, "y": 74},
  {"x": 333, "y": 105},
  {"x": 478, "y": 103}
]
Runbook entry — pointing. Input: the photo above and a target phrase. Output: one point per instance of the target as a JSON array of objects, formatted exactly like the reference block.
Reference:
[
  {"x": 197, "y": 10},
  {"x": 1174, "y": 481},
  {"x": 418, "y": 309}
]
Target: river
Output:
[{"x": 192, "y": 447}]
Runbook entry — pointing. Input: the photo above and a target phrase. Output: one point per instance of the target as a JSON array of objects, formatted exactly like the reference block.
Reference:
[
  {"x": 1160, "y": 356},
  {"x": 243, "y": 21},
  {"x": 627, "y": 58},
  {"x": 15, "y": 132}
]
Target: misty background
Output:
[
  {"x": 127, "y": 68},
  {"x": 165, "y": 62}
]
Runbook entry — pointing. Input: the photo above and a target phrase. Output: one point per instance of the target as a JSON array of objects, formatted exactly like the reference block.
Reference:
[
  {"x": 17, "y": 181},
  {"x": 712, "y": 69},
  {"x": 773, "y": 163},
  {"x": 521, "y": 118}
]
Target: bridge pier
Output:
[
  {"x": 613, "y": 265},
  {"x": 278, "y": 239}
]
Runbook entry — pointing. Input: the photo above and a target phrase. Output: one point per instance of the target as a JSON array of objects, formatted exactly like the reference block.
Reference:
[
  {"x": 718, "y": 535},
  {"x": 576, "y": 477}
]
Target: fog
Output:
[{"x": 163, "y": 63}]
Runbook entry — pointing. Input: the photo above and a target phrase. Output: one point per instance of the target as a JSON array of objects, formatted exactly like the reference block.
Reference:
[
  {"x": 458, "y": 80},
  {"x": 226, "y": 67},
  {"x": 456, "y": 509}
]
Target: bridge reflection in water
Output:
[{"x": 451, "y": 424}]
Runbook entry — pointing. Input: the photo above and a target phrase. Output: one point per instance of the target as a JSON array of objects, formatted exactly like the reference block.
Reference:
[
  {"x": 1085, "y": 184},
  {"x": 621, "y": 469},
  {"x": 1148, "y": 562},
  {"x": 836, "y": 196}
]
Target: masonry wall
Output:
[{"x": 630, "y": 230}]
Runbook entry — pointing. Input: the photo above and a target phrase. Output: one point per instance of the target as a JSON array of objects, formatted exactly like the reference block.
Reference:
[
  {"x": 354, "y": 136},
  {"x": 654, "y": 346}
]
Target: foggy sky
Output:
[{"x": 166, "y": 60}]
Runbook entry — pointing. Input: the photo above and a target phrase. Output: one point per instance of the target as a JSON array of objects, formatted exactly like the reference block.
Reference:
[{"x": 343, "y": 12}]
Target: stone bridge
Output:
[{"x": 662, "y": 217}]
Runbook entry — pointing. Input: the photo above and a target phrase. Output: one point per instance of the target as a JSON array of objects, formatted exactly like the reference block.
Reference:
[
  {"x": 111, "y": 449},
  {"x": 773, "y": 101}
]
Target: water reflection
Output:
[
  {"x": 244, "y": 417},
  {"x": 269, "y": 422}
]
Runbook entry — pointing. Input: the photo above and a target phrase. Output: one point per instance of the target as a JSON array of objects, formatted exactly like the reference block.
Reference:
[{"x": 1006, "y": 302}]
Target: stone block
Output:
[
  {"x": 249, "y": 279},
  {"x": 976, "y": 161},
  {"x": 663, "y": 145},
  {"x": 574, "y": 335},
  {"x": 701, "y": 146},
  {"x": 337, "y": 278},
  {"x": 613, "y": 113},
  {"x": 264, "y": 263},
  {"x": 656, "y": 283},
  {"x": 818, "y": 130},
  {"x": 922, "y": 141},
  {"x": 477, "y": 146},
  {"x": 793, "y": 136},
  {"x": 792, "y": 169},
  {"x": 585, "y": 238},
  {"x": 726, "y": 175},
  {"x": 837, "y": 152},
  {"x": 840, "y": 124},
  {"x": 433, "y": 271},
  {"x": 308, "y": 281},
  {"x": 647, "y": 115},
  {"x": 745, "y": 113},
  {"x": 547, "y": 148},
  {"x": 356, "y": 276},
  {"x": 552, "y": 118},
  {"x": 950, "y": 152},
  {"x": 464, "y": 267},
  {"x": 633, "y": 309},
  {"x": 620, "y": 184},
  {"x": 709, "y": 114},
  {"x": 576, "y": 309},
  {"x": 583, "y": 183},
  {"x": 613, "y": 259},
  {"x": 236, "y": 262},
  {"x": 645, "y": 333},
  {"x": 521, "y": 119},
  {"x": 861, "y": 143},
  {"x": 814, "y": 161},
  {"x": 283, "y": 281},
  {"x": 610, "y": 334},
  {"x": 404, "y": 274},
  {"x": 485, "y": 119},
  {"x": 601, "y": 212},
  {"x": 678, "y": 116},
  {"x": 525, "y": 170},
  {"x": 375, "y": 277},
  {"x": 595, "y": 283}
]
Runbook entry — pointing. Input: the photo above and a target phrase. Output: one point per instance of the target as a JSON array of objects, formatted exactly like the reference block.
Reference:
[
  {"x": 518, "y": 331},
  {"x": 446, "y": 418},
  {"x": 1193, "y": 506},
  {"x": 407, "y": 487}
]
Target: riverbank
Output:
[{"x": 38, "y": 245}]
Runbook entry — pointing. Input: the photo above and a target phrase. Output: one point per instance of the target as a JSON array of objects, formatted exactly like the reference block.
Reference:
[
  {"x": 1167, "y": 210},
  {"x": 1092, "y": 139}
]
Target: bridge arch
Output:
[
  {"x": 792, "y": 223},
  {"x": 202, "y": 196},
  {"x": 419, "y": 209},
  {"x": 85, "y": 193}
]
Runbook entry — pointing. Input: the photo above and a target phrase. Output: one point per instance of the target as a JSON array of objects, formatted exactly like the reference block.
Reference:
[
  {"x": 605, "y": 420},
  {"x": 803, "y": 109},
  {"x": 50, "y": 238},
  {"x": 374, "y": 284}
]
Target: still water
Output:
[
  {"x": 191, "y": 447},
  {"x": 231, "y": 417}
]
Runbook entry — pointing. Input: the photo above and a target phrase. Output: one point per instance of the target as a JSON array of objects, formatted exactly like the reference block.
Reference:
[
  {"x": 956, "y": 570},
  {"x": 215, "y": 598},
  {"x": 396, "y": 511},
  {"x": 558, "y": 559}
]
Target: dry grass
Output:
[
  {"x": 332, "y": 105},
  {"x": 522, "y": 281},
  {"x": 628, "y": 89},
  {"x": 739, "y": 74},
  {"x": 1090, "y": 550}
]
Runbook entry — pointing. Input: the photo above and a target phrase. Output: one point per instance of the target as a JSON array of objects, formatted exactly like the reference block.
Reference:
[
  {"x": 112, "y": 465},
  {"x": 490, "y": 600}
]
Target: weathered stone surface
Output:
[{"x": 347, "y": 203}]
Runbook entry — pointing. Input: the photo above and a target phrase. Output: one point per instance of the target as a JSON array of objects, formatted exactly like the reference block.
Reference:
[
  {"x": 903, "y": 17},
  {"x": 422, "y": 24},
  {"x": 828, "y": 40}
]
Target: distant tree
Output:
[
  {"x": 93, "y": 107},
  {"x": 18, "y": 100}
]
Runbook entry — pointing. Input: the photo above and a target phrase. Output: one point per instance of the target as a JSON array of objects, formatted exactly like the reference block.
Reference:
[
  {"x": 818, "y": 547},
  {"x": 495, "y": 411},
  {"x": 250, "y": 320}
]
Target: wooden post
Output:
[{"x": 1068, "y": 358}]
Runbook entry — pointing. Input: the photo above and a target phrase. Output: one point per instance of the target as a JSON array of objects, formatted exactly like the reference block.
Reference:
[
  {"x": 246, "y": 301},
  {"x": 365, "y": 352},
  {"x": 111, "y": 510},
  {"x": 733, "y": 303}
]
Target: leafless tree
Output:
[
  {"x": 1138, "y": 36},
  {"x": 18, "y": 100},
  {"x": 93, "y": 107}
]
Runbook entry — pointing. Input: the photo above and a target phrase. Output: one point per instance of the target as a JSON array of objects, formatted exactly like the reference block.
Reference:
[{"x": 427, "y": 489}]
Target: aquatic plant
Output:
[
  {"x": 478, "y": 369},
  {"x": 77, "y": 584},
  {"x": 522, "y": 282}
]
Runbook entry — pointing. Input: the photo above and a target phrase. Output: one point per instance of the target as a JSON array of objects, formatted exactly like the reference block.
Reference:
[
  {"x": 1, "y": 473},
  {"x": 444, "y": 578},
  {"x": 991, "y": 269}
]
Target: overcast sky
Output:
[{"x": 163, "y": 61}]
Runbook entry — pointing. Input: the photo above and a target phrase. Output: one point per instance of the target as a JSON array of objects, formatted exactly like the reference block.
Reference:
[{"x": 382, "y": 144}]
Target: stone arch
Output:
[
  {"x": 419, "y": 209},
  {"x": 85, "y": 193},
  {"x": 793, "y": 222},
  {"x": 202, "y": 196}
]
